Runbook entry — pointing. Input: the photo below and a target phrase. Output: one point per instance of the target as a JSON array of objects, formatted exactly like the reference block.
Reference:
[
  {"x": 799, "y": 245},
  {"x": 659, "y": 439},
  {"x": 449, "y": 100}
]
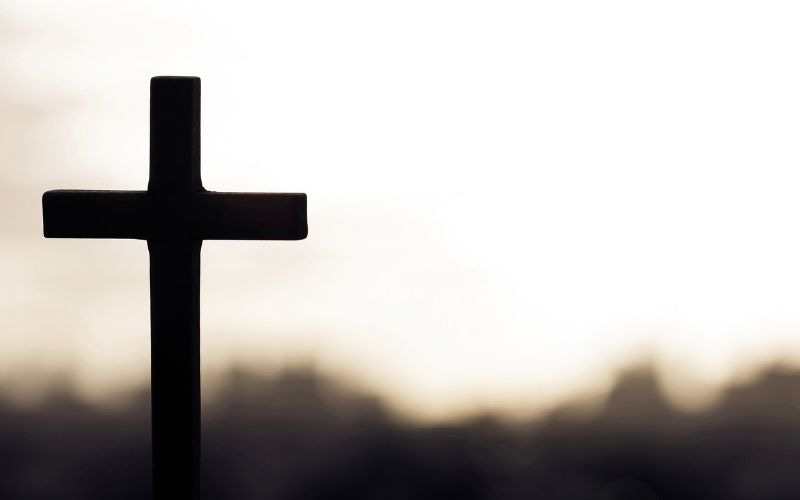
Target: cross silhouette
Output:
[{"x": 175, "y": 215}]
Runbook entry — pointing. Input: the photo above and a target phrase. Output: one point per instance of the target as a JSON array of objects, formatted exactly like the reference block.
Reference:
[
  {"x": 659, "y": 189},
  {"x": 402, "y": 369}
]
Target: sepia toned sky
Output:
[{"x": 507, "y": 199}]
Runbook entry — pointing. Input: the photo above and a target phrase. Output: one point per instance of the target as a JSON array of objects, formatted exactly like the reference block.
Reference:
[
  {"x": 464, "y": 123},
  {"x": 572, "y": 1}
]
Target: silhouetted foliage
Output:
[{"x": 301, "y": 436}]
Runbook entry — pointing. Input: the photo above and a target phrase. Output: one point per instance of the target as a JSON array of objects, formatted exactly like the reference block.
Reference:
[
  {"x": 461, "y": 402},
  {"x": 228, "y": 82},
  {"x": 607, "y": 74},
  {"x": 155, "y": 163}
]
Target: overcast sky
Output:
[{"x": 506, "y": 199}]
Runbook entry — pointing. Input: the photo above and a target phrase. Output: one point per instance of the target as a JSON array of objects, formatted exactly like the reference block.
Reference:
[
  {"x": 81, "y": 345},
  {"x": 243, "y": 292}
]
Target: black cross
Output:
[{"x": 175, "y": 215}]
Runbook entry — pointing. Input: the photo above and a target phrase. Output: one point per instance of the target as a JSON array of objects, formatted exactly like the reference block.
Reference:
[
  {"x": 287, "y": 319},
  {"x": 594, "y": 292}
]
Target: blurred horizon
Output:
[
  {"x": 505, "y": 199},
  {"x": 636, "y": 390},
  {"x": 35, "y": 389},
  {"x": 299, "y": 435}
]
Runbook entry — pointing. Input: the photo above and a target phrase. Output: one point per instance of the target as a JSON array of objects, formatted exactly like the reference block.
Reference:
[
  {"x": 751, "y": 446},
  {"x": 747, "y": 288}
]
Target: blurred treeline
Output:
[{"x": 302, "y": 436}]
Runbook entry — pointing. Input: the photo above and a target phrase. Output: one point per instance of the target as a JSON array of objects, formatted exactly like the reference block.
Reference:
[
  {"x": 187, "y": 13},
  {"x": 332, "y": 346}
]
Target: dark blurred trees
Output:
[{"x": 301, "y": 436}]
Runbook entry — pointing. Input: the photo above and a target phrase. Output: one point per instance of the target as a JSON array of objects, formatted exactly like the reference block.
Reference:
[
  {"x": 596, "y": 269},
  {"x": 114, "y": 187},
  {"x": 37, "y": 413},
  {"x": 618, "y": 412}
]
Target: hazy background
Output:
[{"x": 507, "y": 200}]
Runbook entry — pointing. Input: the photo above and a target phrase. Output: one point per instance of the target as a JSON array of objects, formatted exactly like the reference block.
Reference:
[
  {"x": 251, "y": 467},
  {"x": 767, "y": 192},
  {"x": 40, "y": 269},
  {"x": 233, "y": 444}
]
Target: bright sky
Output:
[{"x": 506, "y": 199}]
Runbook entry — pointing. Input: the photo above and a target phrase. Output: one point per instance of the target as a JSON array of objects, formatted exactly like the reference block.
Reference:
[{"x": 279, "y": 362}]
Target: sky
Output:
[{"x": 508, "y": 200}]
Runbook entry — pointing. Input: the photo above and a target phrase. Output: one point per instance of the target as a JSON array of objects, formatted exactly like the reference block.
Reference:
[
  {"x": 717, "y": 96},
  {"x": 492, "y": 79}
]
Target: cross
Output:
[{"x": 175, "y": 215}]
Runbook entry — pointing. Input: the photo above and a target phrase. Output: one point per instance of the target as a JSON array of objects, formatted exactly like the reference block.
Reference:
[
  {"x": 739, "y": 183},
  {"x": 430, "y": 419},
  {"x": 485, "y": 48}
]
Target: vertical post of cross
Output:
[{"x": 175, "y": 293}]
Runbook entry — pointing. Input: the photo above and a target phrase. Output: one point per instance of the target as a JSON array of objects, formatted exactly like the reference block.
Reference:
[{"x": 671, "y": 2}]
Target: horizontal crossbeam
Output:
[{"x": 202, "y": 215}]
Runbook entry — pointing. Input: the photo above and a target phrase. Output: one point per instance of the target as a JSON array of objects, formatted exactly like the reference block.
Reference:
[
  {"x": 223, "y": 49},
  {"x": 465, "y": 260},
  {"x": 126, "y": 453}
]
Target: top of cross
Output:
[{"x": 175, "y": 205}]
